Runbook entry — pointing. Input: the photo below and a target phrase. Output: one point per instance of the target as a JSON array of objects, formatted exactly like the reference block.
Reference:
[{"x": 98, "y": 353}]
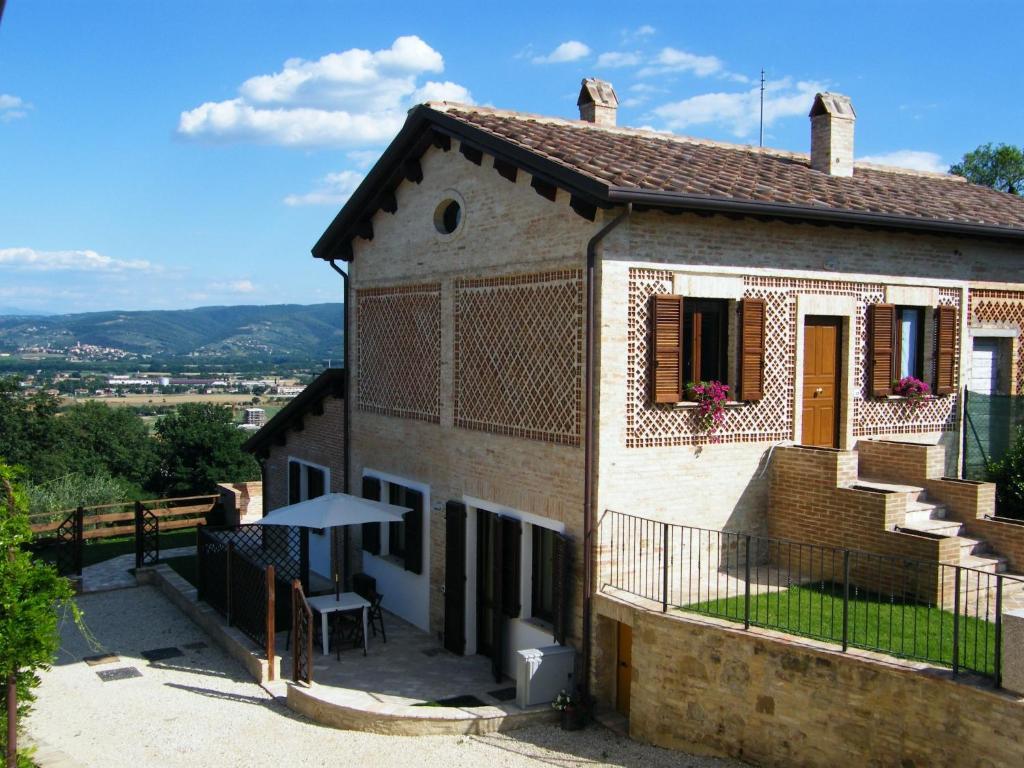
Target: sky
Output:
[{"x": 162, "y": 155}]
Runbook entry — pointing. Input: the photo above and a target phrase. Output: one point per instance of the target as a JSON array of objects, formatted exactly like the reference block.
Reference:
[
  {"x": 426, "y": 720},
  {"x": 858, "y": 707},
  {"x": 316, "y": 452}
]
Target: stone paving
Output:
[
  {"x": 200, "y": 708},
  {"x": 118, "y": 572}
]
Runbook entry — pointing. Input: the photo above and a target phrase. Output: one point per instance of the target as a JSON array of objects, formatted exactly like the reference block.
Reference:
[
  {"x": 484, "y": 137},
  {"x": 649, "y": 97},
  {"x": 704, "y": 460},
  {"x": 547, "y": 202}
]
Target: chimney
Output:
[
  {"x": 597, "y": 102},
  {"x": 832, "y": 119}
]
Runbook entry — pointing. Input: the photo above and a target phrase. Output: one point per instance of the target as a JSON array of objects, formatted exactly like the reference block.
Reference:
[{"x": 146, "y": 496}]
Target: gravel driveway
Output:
[{"x": 200, "y": 709}]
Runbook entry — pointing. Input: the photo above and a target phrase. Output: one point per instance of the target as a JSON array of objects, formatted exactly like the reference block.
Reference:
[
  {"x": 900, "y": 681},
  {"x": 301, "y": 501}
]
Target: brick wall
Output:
[{"x": 702, "y": 687}]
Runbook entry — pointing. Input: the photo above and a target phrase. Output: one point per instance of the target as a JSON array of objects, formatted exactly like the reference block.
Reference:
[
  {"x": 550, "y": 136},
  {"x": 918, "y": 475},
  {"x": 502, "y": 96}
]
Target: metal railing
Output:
[{"x": 925, "y": 611}]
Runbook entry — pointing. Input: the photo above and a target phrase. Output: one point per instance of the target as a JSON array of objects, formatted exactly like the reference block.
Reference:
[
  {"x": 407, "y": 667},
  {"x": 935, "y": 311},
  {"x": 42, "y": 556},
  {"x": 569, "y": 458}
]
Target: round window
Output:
[{"x": 448, "y": 216}]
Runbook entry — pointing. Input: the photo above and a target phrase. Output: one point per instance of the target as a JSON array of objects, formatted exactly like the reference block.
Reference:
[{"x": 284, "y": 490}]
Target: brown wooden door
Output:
[
  {"x": 624, "y": 668},
  {"x": 821, "y": 383}
]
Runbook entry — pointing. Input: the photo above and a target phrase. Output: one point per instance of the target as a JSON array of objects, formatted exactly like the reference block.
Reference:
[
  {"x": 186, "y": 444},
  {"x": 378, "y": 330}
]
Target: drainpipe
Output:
[
  {"x": 347, "y": 431},
  {"x": 588, "y": 439}
]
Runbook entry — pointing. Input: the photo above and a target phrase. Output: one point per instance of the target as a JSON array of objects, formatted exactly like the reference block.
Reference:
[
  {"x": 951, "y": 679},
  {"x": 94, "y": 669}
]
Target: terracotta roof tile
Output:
[{"x": 646, "y": 161}]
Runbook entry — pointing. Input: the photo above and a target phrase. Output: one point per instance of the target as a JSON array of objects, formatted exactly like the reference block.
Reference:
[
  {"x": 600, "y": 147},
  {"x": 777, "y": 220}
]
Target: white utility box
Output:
[{"x": 542, "y": 672}]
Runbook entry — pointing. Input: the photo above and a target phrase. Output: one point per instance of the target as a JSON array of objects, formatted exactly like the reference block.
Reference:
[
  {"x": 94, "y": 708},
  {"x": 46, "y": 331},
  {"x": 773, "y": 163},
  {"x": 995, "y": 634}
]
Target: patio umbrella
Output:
[{"x": 333, "y": 510}]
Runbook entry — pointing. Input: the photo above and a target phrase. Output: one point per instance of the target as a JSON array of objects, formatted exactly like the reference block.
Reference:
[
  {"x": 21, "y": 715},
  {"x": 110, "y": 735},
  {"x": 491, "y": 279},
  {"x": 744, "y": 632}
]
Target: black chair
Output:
[
  {"x": 346, "y": 626},
  {"x": 375, "y": 615}
]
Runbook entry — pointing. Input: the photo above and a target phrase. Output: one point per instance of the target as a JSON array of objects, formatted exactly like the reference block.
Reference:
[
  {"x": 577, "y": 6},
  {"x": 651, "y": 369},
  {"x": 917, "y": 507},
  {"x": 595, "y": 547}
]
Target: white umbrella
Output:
[{"x": 333, "y": 510}]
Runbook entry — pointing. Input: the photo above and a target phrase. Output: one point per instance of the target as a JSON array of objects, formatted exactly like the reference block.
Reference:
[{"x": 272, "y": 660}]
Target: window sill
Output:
[
  {"x": 901, "y": 398},
  {"x": 729, "y": 404},
  {"x": 395, "y": 560},
  {"x": 541, "y": 624}
]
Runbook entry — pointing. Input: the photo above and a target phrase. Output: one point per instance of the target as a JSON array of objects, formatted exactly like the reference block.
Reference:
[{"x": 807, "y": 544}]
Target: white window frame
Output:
[{"x": 304, "y": 483}]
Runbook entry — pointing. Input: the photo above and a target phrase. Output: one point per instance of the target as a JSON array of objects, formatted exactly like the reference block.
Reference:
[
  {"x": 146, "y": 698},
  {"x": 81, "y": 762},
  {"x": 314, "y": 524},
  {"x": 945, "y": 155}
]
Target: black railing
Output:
[{"x": 926, "y": 611}]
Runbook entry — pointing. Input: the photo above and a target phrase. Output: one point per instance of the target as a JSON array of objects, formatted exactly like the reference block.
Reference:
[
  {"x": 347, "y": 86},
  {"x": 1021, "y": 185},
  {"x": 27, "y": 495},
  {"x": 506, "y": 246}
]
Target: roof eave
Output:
[{"x": 789, "y": 211}]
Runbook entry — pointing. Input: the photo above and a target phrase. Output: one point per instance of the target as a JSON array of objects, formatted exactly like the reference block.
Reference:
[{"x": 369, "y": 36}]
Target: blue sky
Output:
[{"x": 177, "y": 154}]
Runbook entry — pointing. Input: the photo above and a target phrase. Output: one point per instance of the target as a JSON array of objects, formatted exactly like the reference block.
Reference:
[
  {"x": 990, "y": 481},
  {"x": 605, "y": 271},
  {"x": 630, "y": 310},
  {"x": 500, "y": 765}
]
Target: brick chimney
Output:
[
  {"x": 832, "y": 119},
  {"x": 597, "y": 102}
]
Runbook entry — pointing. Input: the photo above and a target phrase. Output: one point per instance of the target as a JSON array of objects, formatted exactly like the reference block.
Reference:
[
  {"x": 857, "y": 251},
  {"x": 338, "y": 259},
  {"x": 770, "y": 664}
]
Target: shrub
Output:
[
  {"x": 1008, "y": 475},
  {"x": 77, "y": 488}
]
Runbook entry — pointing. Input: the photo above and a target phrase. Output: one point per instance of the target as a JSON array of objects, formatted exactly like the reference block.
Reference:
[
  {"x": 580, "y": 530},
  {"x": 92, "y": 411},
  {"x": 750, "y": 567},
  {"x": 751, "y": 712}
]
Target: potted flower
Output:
[
  {"x": 711, "y": 397},
  {"x": 914, "y": 390},
  {"x": 574, "y": 714}
]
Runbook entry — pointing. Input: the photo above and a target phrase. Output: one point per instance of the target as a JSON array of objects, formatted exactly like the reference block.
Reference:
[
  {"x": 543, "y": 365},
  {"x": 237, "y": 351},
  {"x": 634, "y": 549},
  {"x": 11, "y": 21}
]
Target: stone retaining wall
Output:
[{"x": 701, "y": 686}]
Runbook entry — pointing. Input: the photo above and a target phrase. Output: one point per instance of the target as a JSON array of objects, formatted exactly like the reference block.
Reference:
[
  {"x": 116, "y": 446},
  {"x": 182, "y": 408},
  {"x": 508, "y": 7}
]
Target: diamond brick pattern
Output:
[
  {"x": 399, "y": 351},
  {"x": 1003, "y": 308},
  {"x": 519, "y": 355},
  {"x": 649, "y": 425}
]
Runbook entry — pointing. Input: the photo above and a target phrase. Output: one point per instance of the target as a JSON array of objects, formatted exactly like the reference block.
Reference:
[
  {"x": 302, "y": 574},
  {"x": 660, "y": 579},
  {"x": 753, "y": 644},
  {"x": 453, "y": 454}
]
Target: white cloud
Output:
[
  {"x": 31, "y": 260},
  {"x": 618, "y": 59},
  {"x": 353, "y": 98},
  {"x": 12, "y": 107},
  {"x": 641, "y": 32},
  {"x": 674, "y": 60},
  {"x": 571, "y": 50},
  {"x": 914, "y": 159},
  {"x": 334, "y": 189},
  {"x": 739, "y": 111},
  {"x": 363, "y": 158},
  {"x": 233, "y": 286}
]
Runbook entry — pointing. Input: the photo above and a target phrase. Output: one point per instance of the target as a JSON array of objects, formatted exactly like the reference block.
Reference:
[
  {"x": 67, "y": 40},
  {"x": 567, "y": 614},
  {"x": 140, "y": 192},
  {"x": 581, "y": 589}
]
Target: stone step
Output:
[
  {"x": 938, "y": 527},
  {"x": 987, "y": 563},
  {"x": 913, "y": 492},
  {"x": 925, "y": 514}
]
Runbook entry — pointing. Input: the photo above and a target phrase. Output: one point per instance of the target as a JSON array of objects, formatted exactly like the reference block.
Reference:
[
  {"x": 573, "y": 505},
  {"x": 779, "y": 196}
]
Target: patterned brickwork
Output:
[
  {"x": 1004, "y": 308},
  {"x": 519, "y": 355},
  {"x": 649, "y": 425},
  {"x": 399, "y": 351}
]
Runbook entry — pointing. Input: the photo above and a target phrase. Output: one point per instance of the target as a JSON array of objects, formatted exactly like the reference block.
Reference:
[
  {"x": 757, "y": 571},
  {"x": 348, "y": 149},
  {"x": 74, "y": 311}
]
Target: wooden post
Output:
[
  {"x": 271, "y": 610},
  {"x": 79, "y": 538},
  {"x": 296, "y": 585},
  {"x": 138, "y": 534}
]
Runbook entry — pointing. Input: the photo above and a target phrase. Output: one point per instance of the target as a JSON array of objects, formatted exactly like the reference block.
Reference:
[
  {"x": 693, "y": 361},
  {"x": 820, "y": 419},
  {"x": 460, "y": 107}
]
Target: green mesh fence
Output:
[{"x": 991, "y": 424}]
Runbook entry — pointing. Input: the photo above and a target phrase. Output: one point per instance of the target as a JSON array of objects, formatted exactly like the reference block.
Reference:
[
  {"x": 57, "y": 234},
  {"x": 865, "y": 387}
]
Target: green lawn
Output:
[
  {"x": 97, "y": 550},
  {"x": 905, "y": 629},
  {"x": 187, "y": 567}
]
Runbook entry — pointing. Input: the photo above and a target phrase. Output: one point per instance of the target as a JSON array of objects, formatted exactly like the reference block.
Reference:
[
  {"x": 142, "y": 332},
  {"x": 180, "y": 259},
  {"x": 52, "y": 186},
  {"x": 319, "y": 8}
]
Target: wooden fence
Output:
[{"x": 69, "y": 529}]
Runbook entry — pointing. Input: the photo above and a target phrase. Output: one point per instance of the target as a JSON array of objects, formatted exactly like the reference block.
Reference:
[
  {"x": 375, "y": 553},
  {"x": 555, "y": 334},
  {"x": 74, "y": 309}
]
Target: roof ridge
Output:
[{"x": 649, "y": 133}]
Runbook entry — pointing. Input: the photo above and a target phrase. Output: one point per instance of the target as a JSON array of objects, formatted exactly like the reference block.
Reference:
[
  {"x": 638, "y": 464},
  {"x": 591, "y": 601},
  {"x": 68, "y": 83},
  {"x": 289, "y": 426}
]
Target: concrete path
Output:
[
  {"x": 191, "y": 705},
  {"x": 116, "y": 573}
]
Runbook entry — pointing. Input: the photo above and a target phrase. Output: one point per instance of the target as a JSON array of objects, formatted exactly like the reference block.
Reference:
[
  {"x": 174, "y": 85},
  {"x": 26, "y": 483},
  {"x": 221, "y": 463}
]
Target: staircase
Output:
[{"x": 891, "y": 498}]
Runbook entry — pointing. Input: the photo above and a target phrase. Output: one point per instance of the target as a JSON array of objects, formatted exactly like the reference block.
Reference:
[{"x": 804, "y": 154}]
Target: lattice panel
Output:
[
  {"x": 519, "y": 355},
  {"x": 1004, "y": 308},
  {"x": 399, "y": 351},
  {"x": 650, "y": 425}
]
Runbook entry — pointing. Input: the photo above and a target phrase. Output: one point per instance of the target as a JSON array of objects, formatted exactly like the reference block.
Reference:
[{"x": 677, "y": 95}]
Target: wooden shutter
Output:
[
  {"x": 414, "y": 531},
  {"x": 666, "y": 348},
  {"x": 511, "y": 543},
  {"x": 497, "y": 614},
  {"x": 294, "y": 482},
  {"x": 455, "y": 577},
  {"x": 752, "y": 342},
  {"x": 945, "y": 350},
  {"x": 881, "y": 348},
  {"x": 314, "y": 482},
  {"x": 371, "y": 531},
  {"x": 561, "y": 572}
]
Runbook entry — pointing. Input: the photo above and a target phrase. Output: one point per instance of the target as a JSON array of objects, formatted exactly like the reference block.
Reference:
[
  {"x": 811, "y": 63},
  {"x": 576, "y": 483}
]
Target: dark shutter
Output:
[
  {"x": 371, "y": 531},
  {"x": 455, "y": 577},
  {"x": 881, "y": 348},
  {"x": 511, "y": 589},
  {"x": 945, "y": 350},
  {"x": 562, "y": 586},
  {"x": 752, "y": 342},
  {"x": 497, "y": 614},
  {"x": 314, "y": 482},
  {"x": 294, "y": 482},
  {"x": 666, "y": 361},
  {"x": 414, "y": 531}
]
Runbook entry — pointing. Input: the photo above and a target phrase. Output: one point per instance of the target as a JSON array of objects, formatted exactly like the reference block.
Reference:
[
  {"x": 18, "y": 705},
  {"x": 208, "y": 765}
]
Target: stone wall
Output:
[
  {"x": 242, "y": 502},
  {"x": 701, "y": 686}
]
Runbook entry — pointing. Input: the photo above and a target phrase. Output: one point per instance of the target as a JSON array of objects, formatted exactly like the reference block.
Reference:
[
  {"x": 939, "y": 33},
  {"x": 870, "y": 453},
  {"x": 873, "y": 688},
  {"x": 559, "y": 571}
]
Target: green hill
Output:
[{"x": 279, "y": 330}]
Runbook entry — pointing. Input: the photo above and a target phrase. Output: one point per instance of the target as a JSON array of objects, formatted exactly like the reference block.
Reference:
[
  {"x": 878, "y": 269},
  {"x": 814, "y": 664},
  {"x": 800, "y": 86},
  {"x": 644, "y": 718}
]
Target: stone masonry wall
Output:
[{"x": 704, "y": 687}]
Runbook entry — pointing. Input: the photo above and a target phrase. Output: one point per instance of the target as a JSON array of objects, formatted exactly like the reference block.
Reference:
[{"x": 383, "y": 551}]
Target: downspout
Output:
[
  {"x": 588, "y": 439},
  {"x": 347, "y": 431}
]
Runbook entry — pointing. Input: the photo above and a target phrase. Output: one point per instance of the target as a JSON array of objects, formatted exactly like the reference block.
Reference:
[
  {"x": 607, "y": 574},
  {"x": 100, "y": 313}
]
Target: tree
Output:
[
  {"x": 30, "y": 595},
  {"x": 29, "y": 434},
  {"x": 97, "y": 436},
  {"x": 199, "y": 446},
  {"x": 1000, "y": 167}
]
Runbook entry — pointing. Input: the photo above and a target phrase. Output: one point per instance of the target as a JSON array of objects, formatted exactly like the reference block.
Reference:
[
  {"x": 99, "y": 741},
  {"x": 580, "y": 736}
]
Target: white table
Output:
[{"x": 327, "y": 604}]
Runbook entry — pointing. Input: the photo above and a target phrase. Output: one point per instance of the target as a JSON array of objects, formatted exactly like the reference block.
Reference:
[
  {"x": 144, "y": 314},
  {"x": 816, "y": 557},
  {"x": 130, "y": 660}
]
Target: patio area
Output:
[{"x": 409, "y": 685}]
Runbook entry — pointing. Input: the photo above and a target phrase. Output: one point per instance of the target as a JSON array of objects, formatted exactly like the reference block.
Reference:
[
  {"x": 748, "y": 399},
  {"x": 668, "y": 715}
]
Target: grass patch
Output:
[
  {"x": 187, "y": 567},
  {"x": 905, "y": 629},
  {"x": 100, "y": 550}
]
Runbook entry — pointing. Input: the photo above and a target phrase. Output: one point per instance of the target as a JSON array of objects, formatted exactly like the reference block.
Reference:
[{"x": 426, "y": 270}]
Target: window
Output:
[
  {"x": 543, "y": 590},
  {"x": 909, "y": 342},
  {"x": 448, "y": 216},
  {"x": 405, "y": 539},
  {"x": 399, "y": 496},
  {"x": 705, "y": 332},
  {"x": 305, "y": 481}
]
